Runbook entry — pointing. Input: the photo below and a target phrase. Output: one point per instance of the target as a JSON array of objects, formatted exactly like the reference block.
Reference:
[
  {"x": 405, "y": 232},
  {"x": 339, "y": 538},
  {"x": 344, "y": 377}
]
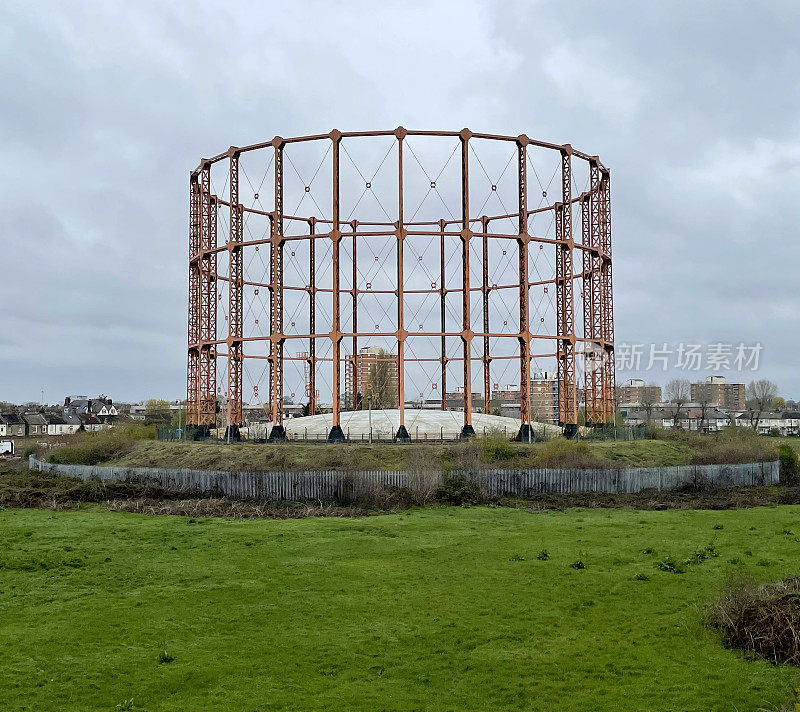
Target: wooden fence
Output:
[{"x": 332, "y": 484}]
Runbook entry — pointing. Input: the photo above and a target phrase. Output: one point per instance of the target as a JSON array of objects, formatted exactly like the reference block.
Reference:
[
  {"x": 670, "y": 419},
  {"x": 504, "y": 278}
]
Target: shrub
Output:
[
  {"x": 140, "y": 431},
  {"x": 458, "y": 489},
  {"x": 733, "y": 444},
  {"x": 543, "y": 555},
  {"x": 561, "y": 452},
  {"x": 94, "y": 448},
  {"x": 496, "y": 446},
  {"x": 789, "y": 465},
  {"x": 763, "y": 619},
  {"x": 670, "y": 565},
  {"x": 579, "y": 565}
]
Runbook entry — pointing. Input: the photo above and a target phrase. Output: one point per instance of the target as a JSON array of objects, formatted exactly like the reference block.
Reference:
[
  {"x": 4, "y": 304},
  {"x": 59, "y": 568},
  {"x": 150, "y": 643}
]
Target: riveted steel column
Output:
[
  {"x": 592, "y": 295},
  {"x": 487, "y": 392},
  {"x": 466, "y": 325},
  {"x": 523, "y": 241},
  {"x": 402, "y": 433},
  {"x": 208, "y": 351},
  {"x": 235, "y": 296},
  {"x": 277, "y": 337},
  {"x": 193, "y": 356},
  {"x": 336, "y": 433},
  {"x": 567, "y": 410},
  {"x": 354, "y": 357},
  {"x": 442, "y": 315},
  {"x": 607, "y": 308},
  {"x": 208, "y": 303},
  {"x": 312, "y": 318}
]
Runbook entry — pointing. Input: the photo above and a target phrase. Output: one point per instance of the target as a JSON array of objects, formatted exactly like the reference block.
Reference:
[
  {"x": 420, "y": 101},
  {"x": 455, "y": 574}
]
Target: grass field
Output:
[{"x": 443, "y": 608}]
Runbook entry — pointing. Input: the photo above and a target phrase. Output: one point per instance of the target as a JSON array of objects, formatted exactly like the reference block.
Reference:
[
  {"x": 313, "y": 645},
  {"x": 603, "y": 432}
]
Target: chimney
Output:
[{"x": 66, "y": 401}]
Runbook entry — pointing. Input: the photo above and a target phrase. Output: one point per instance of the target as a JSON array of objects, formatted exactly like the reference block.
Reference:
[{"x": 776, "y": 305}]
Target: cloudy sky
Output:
[{"x": 107, "y": 106}]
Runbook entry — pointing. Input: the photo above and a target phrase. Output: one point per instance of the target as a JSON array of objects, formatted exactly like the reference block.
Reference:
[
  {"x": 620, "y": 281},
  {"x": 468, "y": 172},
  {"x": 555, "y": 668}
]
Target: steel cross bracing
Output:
[{"x": 405, "y": 242}]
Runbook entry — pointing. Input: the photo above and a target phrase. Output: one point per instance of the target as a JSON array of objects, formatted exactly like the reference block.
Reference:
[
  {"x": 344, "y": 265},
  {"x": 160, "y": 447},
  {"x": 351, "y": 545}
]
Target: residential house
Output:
[
  {"x": 101, "y": 407},
  {"x": 36, "y": 424},
  {"x": 12, "y": 425},
  {"x": 785, "y": 423},
  {"x": 90, "y": 422},
  {"x": 67, "y": 423},
  {"x": 56, "y": 425}
]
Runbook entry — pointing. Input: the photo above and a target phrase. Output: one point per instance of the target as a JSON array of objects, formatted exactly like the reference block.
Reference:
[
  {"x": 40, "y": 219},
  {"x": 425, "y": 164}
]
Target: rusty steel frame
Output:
[{"x": 595, "y": 275}]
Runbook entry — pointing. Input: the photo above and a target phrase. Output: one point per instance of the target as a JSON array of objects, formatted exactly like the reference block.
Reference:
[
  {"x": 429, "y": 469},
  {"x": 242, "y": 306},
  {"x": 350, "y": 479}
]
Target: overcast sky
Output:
[{"x": 107, "y": 106}]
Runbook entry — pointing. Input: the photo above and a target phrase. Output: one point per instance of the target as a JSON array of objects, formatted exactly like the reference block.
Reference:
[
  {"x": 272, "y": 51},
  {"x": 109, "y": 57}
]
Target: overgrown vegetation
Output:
[
  {"x": 665, "y": 448},
  {"x": 729, "y": 445},
  {"x": 789, "y": 465},
  {"x": 762, "y": 619},
  {"x": 96, "y": 447}
]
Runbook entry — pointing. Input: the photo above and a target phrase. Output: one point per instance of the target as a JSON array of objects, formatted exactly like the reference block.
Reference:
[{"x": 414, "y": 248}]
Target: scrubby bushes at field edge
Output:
[
  {"x": 97, "y": 447},
  {"x": 731, "y": 445},
  {"x": 789, "y": 465}
]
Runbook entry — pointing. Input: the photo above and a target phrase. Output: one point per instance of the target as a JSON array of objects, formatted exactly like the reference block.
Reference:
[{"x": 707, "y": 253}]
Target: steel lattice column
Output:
[
  {"x": 235, "y": 296},
  {"x": 443, "y": 314},
  {"x": 312, "y": 318},
  {"x": 277, "y": 337},
  {"x": 567, "y": 410},
  {"x": 466, "y": 324},
  {"x": 524, "y": 294},
  {"x": 354, "y": 357},
  {"x": 336, "y": 433},
  {"x": 592, "y": 297},
  {"x": 193, "y": 358},
  {"x": 485, "y": 305},
  {"x": 208, "y": 302},
  {"x": 402, "y": 433},
  {"x": 607, "y": 301}
]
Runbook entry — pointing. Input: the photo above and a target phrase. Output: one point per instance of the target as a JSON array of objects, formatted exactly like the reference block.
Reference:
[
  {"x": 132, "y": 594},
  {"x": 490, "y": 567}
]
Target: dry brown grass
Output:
[{"x": 761, "y": 619}]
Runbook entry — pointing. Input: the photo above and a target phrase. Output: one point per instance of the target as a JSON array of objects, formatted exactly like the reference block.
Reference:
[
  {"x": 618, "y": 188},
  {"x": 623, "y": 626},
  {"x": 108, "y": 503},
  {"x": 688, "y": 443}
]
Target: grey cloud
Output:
[{"x": 108, "y": 106}]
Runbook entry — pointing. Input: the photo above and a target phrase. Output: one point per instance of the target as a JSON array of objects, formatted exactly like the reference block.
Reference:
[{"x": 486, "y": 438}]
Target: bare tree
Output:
[
  {"x": 649, "y": 400},
  {"x": 704, "y": 401},
  {"x": 678, "y": 391},
  {"x": 759, "y": 396}
]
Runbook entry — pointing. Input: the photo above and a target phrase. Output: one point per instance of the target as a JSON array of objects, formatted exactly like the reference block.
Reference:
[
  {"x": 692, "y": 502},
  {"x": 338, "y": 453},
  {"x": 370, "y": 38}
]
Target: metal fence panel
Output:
[{"x": 330, "y": 484}]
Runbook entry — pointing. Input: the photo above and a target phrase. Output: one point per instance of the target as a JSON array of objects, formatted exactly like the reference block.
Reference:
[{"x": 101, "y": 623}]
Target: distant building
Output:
[
  {"x": 636, "y": 392},
  {"x": 544, "y": 397},
  {"x": 372, "y": 362},
  {"x": 717, "y": 391},
  {"x": 785, "y": 423},
  {"x": 690, "y": 418},
  {"x": 138, "y": 411},
  {"x": 90, "y": 423},
  {"x": 101, "y": 407},
  {"x": 12, "y": 425},
  {"x": 36, "y": 424},
  {"x": 66, "y": 424}
]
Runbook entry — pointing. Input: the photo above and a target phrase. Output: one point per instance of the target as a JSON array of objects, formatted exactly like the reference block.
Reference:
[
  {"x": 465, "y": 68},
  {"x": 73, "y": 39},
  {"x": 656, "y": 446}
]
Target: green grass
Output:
[{"x": 442, "y": 608}]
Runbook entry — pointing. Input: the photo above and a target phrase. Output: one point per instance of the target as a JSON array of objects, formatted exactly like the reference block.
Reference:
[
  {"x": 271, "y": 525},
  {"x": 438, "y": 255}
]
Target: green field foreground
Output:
[{"x": 443, "y": 608}]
